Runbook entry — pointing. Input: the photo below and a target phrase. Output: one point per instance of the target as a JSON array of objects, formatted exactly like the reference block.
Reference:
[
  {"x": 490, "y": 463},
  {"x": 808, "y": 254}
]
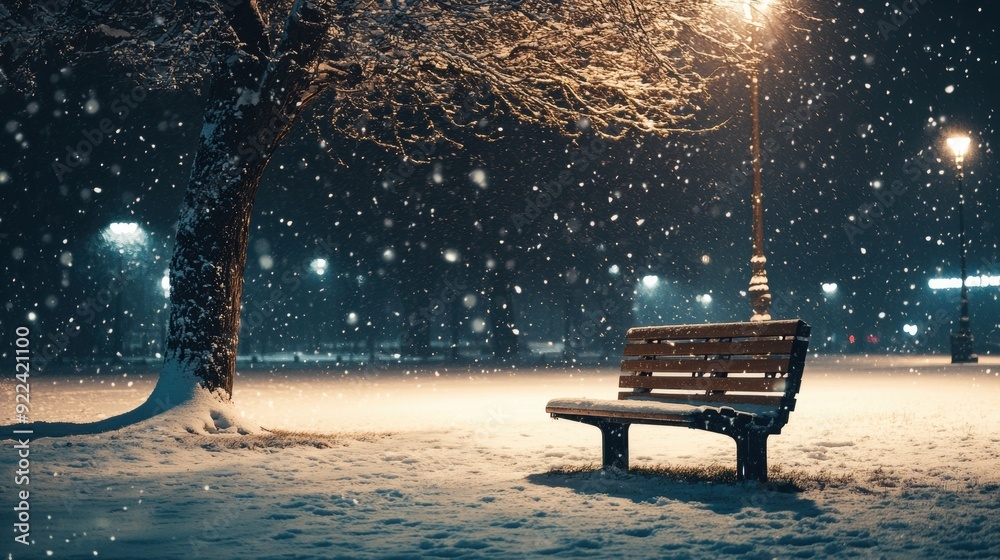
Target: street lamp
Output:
[
  {"x": 319, "y": 266},
  {"x": 961, "y": 341},
  {"x": 760, "y": 291},
  {"x": 127, "y": 240}
]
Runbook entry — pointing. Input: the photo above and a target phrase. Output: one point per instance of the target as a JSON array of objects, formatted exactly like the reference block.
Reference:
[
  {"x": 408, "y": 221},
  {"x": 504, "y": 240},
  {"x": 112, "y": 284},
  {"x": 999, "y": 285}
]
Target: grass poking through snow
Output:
[
  {"x": 780, "y": 478},
  {"x": 281, "y": 439}
]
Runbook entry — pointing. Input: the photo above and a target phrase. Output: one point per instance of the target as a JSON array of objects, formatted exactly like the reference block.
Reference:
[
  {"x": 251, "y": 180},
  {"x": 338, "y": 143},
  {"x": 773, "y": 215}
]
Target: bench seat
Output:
[{"x": 639, "y": 410}]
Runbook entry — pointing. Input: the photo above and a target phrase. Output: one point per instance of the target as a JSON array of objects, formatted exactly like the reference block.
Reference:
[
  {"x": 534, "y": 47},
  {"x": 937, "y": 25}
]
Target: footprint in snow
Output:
[
  {"x": 471, "y": 544},
  {"x": 327, "y": 512}
]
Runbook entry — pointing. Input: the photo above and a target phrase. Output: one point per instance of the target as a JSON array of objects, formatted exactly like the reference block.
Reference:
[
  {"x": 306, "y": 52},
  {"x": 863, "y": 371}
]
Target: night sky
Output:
[{"x": 852, "y": 107}]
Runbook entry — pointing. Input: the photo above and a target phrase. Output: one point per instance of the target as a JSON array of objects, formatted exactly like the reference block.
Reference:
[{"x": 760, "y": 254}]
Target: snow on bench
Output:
[{"x": 736, "y": 379}]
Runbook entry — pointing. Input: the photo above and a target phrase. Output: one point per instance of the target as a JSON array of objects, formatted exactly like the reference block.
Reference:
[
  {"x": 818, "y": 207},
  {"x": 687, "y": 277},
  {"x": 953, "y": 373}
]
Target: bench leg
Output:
[
  {"x": 751, "y": 456},
  {"x": 614, "y": 438}
]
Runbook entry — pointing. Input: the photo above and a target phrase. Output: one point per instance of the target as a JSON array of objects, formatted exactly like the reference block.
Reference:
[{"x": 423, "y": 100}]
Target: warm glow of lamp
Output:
[
  {"x": 750, "y": 6},
  {"x": 959, "y": 145}
]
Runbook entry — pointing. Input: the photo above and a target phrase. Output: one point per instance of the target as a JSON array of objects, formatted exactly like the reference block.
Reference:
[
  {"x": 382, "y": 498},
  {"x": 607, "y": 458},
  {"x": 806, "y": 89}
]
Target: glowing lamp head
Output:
[
  {"x": 959, "y": 145},
  {"x": 124, "y": 229},
  {"x": 127, "y": 238},
  {"x": 319, "y": 266}
]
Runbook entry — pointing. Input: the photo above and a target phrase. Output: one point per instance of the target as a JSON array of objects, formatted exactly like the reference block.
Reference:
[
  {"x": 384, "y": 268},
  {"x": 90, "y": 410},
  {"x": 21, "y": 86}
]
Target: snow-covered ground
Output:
[{"x": 456, "y": 463}]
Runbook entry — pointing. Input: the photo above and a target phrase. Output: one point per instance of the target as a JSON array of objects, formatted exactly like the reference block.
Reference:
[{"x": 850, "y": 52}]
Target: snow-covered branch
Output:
[{"x": 404, "y": 64}]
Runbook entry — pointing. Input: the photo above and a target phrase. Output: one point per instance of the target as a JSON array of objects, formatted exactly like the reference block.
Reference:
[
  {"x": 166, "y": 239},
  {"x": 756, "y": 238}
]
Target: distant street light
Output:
[
  {"x": 319, "y": 266},
  {"x": 165, "y": 286},
  {"x": 760, "y": 291},
  {"x": 829, "y": 288},
  {"x": 127, "y": 238},
  {"x": 961, "y": 341}
]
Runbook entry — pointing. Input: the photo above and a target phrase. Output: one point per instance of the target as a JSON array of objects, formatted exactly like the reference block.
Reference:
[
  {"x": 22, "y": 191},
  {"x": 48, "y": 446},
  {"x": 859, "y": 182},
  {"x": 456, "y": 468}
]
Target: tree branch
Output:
[{"x": 247, "y": 23}]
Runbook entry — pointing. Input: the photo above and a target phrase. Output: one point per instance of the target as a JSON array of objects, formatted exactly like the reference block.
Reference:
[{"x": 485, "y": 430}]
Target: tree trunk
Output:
[
  {"x": 251, "y": 108},
  {"x": 206, "y": 271}
]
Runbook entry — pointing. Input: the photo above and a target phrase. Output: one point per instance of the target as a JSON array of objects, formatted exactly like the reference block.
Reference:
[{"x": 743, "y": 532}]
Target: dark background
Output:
[{"x": 856, "y": 102}]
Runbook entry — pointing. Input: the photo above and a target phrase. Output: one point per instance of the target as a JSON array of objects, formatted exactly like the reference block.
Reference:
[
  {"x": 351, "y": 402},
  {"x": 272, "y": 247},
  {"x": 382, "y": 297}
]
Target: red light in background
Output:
[{"x": 851, "y": 338}]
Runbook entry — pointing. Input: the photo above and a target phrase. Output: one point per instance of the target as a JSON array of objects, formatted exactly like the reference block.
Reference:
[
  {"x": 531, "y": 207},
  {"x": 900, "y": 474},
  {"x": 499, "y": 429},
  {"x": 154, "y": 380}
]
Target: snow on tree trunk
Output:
[
  {"x": 206, "y": 272},
  {"x": 251, "y": 108}
]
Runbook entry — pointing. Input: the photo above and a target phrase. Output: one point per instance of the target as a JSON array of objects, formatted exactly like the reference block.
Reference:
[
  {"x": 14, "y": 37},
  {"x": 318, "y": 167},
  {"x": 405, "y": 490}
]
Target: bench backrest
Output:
[{"x": 755, "y": 367}]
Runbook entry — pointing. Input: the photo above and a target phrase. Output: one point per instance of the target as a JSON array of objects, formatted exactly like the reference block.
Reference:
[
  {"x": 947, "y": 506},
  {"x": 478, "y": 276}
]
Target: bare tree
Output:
[{"x": 392, "y": 71}]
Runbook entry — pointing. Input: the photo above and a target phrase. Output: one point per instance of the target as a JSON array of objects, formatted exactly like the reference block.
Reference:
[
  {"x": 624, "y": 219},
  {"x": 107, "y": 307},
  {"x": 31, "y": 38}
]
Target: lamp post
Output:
[
  {"x": 961, "y": 341},
  {"x": 760, "y": 291},
  {"x": 127, "y": 241}
]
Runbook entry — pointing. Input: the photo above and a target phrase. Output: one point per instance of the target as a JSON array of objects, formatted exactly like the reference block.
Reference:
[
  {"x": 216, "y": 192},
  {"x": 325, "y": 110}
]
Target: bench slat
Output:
[
  {"x": 718, "y": 330},
  {"x": 756, "y": 384},
  {"x": 671, "y": 419},
  {"x": 739, "y": 348},
  {"x": 714, "y": 400},
  {"x": 706, "y": 366}
]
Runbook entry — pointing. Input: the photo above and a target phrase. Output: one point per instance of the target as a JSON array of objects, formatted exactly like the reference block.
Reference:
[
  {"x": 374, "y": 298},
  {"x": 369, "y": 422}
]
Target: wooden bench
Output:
[{"x": 736, "y": 379}]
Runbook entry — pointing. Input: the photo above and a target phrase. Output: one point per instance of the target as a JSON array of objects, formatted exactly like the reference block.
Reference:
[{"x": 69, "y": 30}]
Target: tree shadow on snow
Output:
[{"x": 714, "y": 486}]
